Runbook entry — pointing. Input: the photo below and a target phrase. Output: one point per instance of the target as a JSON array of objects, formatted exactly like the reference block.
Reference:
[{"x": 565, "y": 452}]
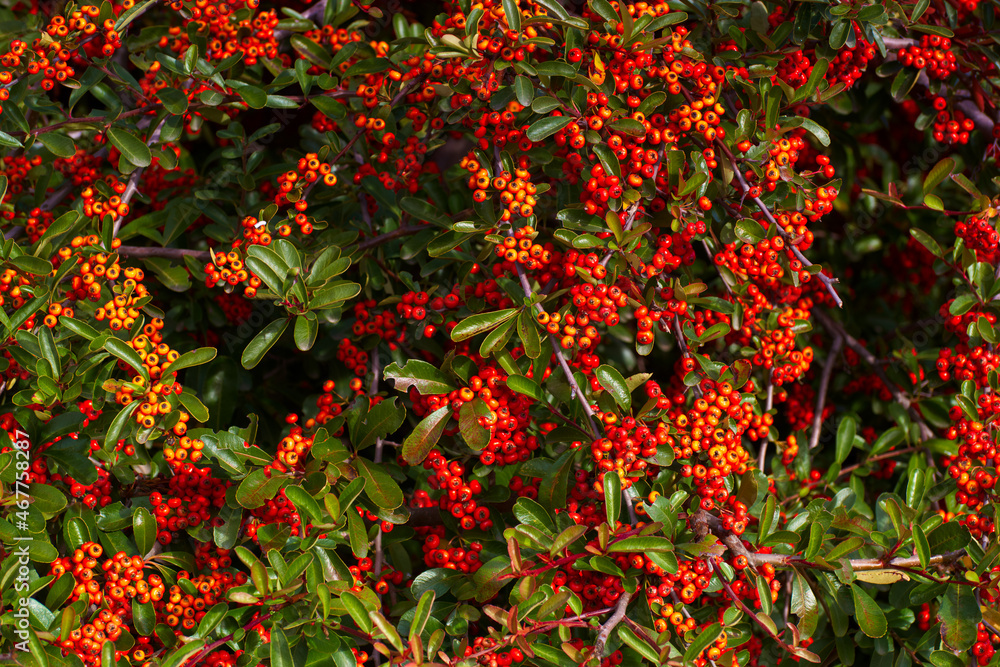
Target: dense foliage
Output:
[{"x": 499, "y": 332}]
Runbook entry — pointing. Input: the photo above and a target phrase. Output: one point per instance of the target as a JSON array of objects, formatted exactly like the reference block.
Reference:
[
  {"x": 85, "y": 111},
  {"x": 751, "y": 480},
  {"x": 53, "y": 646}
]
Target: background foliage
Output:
[{"x": 498, "y": 332}]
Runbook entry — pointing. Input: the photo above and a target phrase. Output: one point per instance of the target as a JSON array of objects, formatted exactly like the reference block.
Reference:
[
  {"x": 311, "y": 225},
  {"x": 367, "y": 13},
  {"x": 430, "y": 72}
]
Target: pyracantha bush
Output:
[{"x": 487, "y": 333}]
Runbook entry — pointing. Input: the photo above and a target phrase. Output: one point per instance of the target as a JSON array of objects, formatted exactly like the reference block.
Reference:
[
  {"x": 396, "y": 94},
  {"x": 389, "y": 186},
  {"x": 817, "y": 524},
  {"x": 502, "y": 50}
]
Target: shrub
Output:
[{"x": 499, "y": 332}]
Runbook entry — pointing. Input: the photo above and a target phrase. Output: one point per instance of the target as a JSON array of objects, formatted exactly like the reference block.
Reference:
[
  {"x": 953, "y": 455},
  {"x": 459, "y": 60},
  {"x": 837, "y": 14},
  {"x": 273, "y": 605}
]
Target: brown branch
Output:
[
  {"x": 606, "y": 629},
  {"x": 140, "y": 252},
  {"x": 867, "y": 564}
]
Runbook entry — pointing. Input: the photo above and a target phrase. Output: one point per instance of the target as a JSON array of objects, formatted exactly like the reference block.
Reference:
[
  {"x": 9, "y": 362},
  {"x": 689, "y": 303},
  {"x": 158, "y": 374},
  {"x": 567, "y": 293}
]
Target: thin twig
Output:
[
  {"x": 827, "y": 281},
  {"x": 388, "y": 236},
  {"x": 713, "y": 563},
  {"x": 817, "y": 421},
  {"x": 768, "y": 404},
  {"x": 133, "y": 182},
  {"x": 567, "y": 371},
  {"x": 925, "y": 431},
  {"x": 168, "y": 253}
]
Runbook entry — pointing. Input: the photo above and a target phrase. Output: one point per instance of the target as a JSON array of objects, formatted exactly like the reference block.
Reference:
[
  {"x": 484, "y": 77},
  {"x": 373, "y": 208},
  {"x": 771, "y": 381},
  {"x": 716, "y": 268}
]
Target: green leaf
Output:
[
  {"x": 194, "y": 406},
  {"x": 811, "y": 126},
  {"x": 513, "y": 15},
  {"x": 143, "y": 617},
  {"x": 425, "y": 435},
  {"x": 211, "y": 619},
  {"x": 387, "y": 629},
  {"x": 845, "y": 438},
  {"x": 641, "y": 543},
  {"x": 474, "y": 434},
  {"x": 527, "y": 331},
  {"x": 257, "y": 488},
  {"x": 174, "y": 101},
  {"x": 870, "y": 617},
  {"x": 123, "y": 351},
  {"x": 132, "y": 147},
  {"x": 524, "y": 90},
  {"x": 144, "y": 530},
  {"x": 305, "y": 331},
  {"x": 263, "y": 342},
  {"x": 554, "y": 68},
  {"x": 174, "y": 658},
  {"x": 422, "y": 613},
  {"x": 381, "y": 420},
  {"x": 567, "y": 537},
  {"x": 202, "y": 355},
  {"x": 49, "y": 351},
  {"x": 379, "y": 486},
  {"x": 938, "y": 173},
  {"x": 357, "y": 610},
  {"x": 750, "y": 231},
  {"x": 959, "y": 615},
  {"x": 628, "y": 126},
  {"x": 705, "y": 639},
  {"x": 281, "y": 654},
  {"x": 612, "y": 497},
  {"x": 310, "y": 50},
  {"x": 357, "y": 535},
  {"x": 481, "y": 323},
  {"x": 424, "y": 210},
  {"x": 921, "y": 546},
  {"x": 546, "y": 127},
  {"x": 914, "y": 487},
  {"x": 59, "y": 144},
  {"x": 7, "y": 140},
  {"x": 332, "y": 294},
  {"x": 633, "y": 640},
  {"x": 523, "y": 385},
  {"x": 804, "y": 604},
  {"x": 927, "y": 241},
  {"x": 304, "y": 502},
  {"x": 608, "y": 159},
  {"x": 427, "y": 378},
  {"x": 612, "y": 380},
  {"x": 903, "y": 83},
  {"x": 60, "y": 225},
  {"x": 33, "y": 265},
  {"x": 117, "y": 425}
]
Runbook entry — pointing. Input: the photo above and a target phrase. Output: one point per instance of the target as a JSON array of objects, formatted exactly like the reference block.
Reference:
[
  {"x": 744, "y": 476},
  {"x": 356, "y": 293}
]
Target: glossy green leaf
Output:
[
  {"x": 132, "y": 147},
  {"x": 262, "y": 342}
]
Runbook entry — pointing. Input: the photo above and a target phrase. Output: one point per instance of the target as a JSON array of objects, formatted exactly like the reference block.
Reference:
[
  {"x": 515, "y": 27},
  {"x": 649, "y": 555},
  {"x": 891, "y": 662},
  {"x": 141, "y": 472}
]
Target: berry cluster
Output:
[{"x": 933, "y": 54}]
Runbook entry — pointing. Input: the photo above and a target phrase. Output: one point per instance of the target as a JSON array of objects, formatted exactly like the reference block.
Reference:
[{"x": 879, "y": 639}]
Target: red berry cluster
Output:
[
  {"x": 934, "y": 55},
  {"x": 458, "y": 496},
  {"x": 192, "y": 497},
  {"x": 980, "y": 235}
]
